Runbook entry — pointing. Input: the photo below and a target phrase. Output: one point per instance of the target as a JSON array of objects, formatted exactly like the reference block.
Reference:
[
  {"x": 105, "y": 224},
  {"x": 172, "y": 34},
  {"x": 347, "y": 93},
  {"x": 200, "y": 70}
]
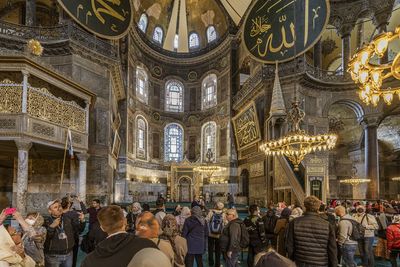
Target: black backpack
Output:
[
  {"x": 358, "y": 230},
  {"x": 244, "y": 235}
]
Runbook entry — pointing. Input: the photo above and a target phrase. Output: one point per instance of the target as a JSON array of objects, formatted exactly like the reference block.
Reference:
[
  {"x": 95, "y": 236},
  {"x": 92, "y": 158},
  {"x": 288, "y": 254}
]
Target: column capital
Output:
[
  {"x": 25, "y": 73},
  {"x": 369, "y": 122},
  {"x": 83, "y": 156},
  {"x": 23, "y": 145}
]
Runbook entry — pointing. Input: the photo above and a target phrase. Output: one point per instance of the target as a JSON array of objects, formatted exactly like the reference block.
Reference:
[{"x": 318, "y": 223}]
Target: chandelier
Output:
[
  {"x": 297, "y": 144},
  {"x": 396, "y": 179},
  {"x": 354, "y": 180},
  {"x": 208, "y": 169},
  {"x": 370, "y": 76}
]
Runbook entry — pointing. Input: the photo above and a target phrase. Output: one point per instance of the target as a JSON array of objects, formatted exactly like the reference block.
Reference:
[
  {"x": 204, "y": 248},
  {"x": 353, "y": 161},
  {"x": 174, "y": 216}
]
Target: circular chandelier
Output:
[
  {"x": 354, "y": 180},
  {"x": 297, "y": 144},
  {"x": 396, "y": 179},
  {"x": 208, "y": 169},
  {"x": 370, "y": 76}
]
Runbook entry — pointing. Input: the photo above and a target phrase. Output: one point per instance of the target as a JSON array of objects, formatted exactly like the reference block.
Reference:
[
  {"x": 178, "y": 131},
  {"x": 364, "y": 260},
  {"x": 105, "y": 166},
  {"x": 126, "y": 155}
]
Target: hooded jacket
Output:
[{"x": 116, "y": 251}]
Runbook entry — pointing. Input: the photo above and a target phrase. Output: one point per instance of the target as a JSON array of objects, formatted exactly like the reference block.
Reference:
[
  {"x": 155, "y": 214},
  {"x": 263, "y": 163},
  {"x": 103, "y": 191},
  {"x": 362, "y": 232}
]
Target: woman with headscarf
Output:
[
  {"x": 180, "y": 219},
  {"x": 147, "y": 227},
  {"x": 280, "y": 230},
  {"x": 132, "y": 215},
  {"x": 178, "y": 243},
  {"x": 195, "y": 231}
]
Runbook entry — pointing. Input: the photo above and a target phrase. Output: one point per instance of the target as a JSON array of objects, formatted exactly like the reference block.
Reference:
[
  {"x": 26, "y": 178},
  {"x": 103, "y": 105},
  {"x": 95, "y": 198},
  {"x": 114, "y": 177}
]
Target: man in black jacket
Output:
[
  {"x": 60, "y": 238},
  {"x": 311, "y": 240},
  {"x": 230, "y": 238},
  {"x": 120, "y": 247},
  {"x": 256, "y": 229}
]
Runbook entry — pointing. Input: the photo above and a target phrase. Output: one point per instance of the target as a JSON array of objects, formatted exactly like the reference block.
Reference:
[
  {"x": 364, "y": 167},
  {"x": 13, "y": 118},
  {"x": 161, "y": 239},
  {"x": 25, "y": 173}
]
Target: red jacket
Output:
[{"x": 393, "y": 236}]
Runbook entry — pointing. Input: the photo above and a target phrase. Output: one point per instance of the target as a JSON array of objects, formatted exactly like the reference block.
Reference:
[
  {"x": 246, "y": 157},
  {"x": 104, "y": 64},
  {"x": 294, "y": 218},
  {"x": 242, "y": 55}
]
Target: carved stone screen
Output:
[{"x": 246, "y": 127}]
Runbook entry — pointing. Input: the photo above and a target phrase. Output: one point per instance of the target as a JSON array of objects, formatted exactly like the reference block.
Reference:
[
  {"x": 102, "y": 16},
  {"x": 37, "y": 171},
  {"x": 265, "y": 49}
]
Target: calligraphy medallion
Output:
[
  {"x": 110, "y": 19},
  {"x": 280, "y": 30}
]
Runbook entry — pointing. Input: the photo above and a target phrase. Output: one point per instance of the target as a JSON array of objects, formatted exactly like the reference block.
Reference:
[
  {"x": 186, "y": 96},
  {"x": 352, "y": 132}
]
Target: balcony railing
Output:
[
  {"x": 60, "y": 33},
  {"x": 41, "y": 104}
]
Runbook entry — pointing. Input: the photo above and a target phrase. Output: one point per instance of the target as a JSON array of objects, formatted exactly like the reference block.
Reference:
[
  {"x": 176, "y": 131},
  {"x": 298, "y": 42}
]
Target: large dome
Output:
[{"x": 185, "y": 26}]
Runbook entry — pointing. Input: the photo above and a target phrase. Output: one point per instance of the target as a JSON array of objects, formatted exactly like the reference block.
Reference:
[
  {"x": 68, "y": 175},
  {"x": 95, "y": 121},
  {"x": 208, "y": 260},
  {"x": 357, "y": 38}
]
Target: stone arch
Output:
[{"x": 353, "y": 105}]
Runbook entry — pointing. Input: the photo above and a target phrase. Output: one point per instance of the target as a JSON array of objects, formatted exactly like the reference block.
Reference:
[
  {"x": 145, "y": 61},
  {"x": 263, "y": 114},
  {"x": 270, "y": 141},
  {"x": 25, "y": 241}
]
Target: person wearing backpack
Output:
[
  {"x": 270, "y": 220},
  {"x": 393, "y": 240},
  {"x": 234, "y": 238},
  {"x": 345, "y": 237},
  {"x": 365, "y": 245},
  {"x": 216, "y": 220},
  {"x": 255, "y": 227}
]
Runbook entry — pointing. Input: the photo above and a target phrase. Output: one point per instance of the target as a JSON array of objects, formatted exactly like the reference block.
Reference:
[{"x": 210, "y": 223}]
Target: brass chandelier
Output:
[
  {"x": 297, "y": 144},
  {"x": 370, "y": 76},
  {"x": 208, "y": 169},
  {"x": 354, "y": 180}
]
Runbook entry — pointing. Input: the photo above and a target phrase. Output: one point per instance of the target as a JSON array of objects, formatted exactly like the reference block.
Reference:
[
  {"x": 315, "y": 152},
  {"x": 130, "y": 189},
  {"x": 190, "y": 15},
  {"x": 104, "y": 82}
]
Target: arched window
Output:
[
  {"x": 174, "y": 96},
  {"x": 142, "y": 24},
  {"x": 209, "y": 145},
  {"x": 141, "y": 137},
  {"x": 209, "y": 91},
  {"x": 173, "y": 134},
  {"x": 158, "y": 35},
  {"x": 194, "y": 40},
  {"x": 141, "y": 84},
  {"x": 211, "y": 34}
]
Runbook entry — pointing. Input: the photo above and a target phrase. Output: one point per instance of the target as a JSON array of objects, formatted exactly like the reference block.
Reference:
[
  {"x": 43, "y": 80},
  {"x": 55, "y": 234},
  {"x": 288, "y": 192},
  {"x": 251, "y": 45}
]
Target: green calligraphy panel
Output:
[
  {"x": 280, "y": 30},
  {"x": 109, "y": 19}
]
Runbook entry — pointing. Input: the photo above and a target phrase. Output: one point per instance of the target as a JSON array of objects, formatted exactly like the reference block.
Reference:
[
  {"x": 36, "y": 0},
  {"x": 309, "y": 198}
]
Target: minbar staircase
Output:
[{"x": 296, "y": 179}]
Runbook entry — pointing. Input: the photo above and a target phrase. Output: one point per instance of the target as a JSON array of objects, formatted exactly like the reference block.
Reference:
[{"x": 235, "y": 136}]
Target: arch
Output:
[
  {"x": 141, "y": 137},
  {"x": 143, "y": 21},
  {"x": 158, "y": 35},
  {"x": 194, "y": 41},
  {"x": 209, "y": 86},
  {"x": 173, "y": 142},
  {"x": 211, "y": 34},
  {"x": 185, "y": 188},
  {"x": 353, "y": 105},
  {"x": 209, "y": 140},
  {"x": 174, "y": 92},
  {"x": 142, "y": 84}
]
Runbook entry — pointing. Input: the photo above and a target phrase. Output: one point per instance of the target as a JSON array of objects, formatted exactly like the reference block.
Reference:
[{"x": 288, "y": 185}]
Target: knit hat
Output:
[{"x": 149, "y": 257}]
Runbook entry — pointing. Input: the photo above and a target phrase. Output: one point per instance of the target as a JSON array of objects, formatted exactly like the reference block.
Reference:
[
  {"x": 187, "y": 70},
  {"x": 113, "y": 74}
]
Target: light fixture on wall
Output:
[
  {"x": 209, "y": 168},
  {"x": 369, "y": 76},
  {"x": 297, "y": 144},
  {"x": 354, "y": 180}
]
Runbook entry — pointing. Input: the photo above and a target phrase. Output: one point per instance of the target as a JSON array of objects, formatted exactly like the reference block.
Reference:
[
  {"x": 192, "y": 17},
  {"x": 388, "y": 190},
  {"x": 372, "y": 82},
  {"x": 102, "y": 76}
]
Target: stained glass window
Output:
[
  {"x": 141, "y": 84},
  {"x": 141, "y": 137},
  {"x": 194, "y": 40},
  {"x": 211, "y": 34},
  {"x": 209, "y": 91},
  {"x": 209, "y": 140},
  {"x": 158, "y": 35},
  {"x": 174, "y": 96},
  {"x": 173, "y": 134},
  {"x": 142, "y": 24}
]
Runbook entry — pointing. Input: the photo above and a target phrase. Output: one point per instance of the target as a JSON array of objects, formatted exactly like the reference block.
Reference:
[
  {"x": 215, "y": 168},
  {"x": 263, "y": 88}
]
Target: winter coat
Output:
[
  {"x": 269, "y": 222},
  {"x": 311, "y": 240},
  {"x": 230, "y": 238},
  {"x": 393, "y": 236},
  {"x": 280, "y": 231},
  {"x": 92, "y": 215},
  {"x": 369, "y": 222},
  {"x": 117, "y": 251},
  {"x": 255, "y": 227},
  {"x": 196, "y": 235},
  {"x": 272, "y": 259}
]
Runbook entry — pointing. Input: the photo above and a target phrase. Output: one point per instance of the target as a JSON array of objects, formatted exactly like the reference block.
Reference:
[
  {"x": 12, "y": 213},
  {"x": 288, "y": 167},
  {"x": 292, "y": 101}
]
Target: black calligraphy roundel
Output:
[
  {"x": 280, "y": 30},
  {"x": 109, "y": 19}
]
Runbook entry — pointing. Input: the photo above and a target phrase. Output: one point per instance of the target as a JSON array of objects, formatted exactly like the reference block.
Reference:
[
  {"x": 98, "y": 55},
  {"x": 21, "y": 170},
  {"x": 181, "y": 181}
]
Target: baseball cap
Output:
[{"x": 53, "y": 202}]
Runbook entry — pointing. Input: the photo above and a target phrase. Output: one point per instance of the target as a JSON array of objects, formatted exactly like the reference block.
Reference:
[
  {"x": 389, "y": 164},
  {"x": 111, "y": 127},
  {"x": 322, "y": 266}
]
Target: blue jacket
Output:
[{"x": 196, "y": 235}]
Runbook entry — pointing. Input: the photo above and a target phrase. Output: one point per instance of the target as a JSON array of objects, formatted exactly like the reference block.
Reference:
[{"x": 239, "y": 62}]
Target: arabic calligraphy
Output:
[
  {"x": 107, "y": 18},
  {"x": 283, "y": 29},
  {"x": 246, "y": 127}
]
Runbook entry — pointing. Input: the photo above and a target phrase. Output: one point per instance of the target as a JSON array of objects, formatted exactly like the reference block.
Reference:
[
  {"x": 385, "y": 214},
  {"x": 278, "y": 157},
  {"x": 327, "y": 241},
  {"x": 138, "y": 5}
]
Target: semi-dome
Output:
[{"x": 185, "y": 26}]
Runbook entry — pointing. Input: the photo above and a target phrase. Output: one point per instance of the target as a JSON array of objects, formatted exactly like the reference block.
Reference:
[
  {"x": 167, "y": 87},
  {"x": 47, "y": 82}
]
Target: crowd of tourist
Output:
[{"x": 312, "y": 234}]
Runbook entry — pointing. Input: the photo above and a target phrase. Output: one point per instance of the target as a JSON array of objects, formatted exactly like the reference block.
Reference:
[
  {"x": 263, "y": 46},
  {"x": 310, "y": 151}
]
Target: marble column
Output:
[
  {"x": 82, "y": 175},
  {"x": 22, "y": 174},
  {"x": 371, "y": 159},
  {"x": 317, "y": 56},
  {"x": 30, "y": 12},
  {"x": 346, "y": 51},
  {"x": 25, "y": 76}
]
